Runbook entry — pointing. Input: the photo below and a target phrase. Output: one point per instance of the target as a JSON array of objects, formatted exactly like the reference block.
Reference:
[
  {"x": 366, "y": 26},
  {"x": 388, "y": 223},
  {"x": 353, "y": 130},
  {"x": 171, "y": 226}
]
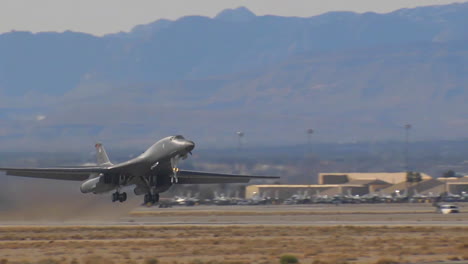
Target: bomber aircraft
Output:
[{"x": 152, "y": 172}]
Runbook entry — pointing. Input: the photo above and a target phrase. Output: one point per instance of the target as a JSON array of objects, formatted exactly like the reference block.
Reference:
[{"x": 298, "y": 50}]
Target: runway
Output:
[
  {"x": 312, "y": 215},
  {"x": 281, "y": 215}
]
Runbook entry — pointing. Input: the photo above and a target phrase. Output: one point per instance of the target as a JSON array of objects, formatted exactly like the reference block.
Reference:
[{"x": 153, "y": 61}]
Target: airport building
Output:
[
  {"x": 430, "y": 187},
  {"x": 332, "y": 184},
  {"x": 456, "y": 185},
  {"x": 388, "y": 177},
  {"x": 361, "y": 183}
]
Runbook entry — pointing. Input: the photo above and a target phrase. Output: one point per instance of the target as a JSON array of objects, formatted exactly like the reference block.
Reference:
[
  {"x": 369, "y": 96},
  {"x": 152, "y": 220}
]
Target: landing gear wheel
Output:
[
  {"x": 123, "y": 197},
  {"x": 156, "y": 197},
  {"x": 151, "y": 199},
  {"x": 115, "y": 197},
  {"x": 147, "y": 198}
]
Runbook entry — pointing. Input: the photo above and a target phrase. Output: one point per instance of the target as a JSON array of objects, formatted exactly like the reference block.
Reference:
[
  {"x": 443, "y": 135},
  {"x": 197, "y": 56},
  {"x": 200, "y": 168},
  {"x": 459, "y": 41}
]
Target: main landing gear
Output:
[
  {"x": 151, "y": 199},
  {"x": 121, "y": 197}
]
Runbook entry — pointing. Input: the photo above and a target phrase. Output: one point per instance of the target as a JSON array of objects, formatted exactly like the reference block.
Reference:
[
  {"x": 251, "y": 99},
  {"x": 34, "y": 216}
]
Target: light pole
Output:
[
  {"x": 407, "y": 134},
  {"x": 240, "y": 135},
  {"x": 309, "y": 131}
]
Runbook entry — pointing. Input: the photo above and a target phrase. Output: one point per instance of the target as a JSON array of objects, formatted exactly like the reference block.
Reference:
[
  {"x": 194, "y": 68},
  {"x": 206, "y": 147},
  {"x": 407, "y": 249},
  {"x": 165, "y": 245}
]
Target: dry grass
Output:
[{"x": 230, "y": 244}]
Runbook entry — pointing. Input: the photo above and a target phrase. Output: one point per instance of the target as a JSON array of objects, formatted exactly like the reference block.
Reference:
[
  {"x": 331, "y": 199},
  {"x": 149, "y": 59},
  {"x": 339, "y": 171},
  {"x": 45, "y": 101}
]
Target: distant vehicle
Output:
[
  {"x": 299, "y": 198},
  {"x": 451, "y": 197},
  {"x": 187, "y": 200},
  {"x": 399, "y": 197},
  {"x": 153, "y": 172},
  {"x": 464, "y": 196},
  {"x": 222, "y": 199},
  {"x": 354, "y": 199},
  {"x": 318, "y": 198},
  {"x": 260, "y": 199},
  {"x": 447, "y": 209},
  {"x": 418, "y": 197}
]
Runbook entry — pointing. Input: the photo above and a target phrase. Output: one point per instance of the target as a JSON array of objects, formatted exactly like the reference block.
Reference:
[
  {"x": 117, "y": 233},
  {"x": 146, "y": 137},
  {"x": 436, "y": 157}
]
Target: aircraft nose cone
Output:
[{"x": 190, "y": 145}]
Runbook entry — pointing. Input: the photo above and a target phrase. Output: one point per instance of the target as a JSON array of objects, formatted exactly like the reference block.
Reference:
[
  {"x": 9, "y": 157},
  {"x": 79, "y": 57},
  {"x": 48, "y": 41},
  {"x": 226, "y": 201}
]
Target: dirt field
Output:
[
  {"x": 231, "y": 244},
  {"x": 351, "y": 234}
]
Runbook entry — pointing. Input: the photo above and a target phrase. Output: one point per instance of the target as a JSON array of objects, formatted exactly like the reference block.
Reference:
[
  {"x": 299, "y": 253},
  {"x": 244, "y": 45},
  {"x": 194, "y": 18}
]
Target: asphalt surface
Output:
[
  {"x": 316, "y": 215},
  {"x": 310, "y": 215}
]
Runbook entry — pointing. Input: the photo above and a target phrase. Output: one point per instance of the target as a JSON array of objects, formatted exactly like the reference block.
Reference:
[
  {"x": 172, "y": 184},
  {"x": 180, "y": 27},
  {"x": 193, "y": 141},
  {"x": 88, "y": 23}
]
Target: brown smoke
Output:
[{"x": 29, "y": 201}]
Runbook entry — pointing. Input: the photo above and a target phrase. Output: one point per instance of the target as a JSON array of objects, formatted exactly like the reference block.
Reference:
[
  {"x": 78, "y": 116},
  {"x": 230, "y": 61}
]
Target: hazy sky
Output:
[{"x": 107, "y": 16}]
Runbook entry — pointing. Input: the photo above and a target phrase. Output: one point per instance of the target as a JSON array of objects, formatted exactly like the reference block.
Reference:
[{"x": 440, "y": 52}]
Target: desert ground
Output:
[{"x": 401, "y": 233}]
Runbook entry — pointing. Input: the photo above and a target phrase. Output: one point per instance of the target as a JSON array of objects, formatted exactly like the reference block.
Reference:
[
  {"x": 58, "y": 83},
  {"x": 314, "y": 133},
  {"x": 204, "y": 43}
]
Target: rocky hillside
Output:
[{"x": 351, "y": 76}]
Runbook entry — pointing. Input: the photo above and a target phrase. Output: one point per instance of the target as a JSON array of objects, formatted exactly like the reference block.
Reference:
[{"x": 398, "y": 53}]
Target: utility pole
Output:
[
  {"x": 240, "y": 135},
  {"x": 309, "y": 131},
  {"x": 409, "y": 178},
  {"x": 407, "y": 135}
]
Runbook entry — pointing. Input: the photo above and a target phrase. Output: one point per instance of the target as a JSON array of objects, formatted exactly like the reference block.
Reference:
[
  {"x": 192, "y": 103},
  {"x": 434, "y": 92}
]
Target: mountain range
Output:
[{"x": 349, "y": 76}]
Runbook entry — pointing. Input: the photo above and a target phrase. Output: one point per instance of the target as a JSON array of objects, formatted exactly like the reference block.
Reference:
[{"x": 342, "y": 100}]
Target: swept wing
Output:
[
  {"x": 70, "y": 174},
  {"x": 199, "y": 177}
]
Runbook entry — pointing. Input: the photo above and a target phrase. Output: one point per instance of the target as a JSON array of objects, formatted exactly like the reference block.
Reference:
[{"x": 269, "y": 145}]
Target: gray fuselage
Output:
[{"x": 152, "y": 169}]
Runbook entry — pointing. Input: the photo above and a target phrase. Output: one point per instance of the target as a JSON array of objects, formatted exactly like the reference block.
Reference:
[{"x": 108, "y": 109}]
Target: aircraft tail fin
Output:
[{"x": 101, "y": 155}]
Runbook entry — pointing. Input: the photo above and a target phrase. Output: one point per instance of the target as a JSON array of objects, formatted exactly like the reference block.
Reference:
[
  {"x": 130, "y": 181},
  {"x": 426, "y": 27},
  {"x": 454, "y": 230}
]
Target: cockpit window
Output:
[{"x": 177, "y": 137}]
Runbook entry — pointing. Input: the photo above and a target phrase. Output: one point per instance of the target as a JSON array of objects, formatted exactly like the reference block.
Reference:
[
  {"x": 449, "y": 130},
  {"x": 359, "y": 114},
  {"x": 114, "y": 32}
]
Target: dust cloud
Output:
[{"x": 30, "y": 201}]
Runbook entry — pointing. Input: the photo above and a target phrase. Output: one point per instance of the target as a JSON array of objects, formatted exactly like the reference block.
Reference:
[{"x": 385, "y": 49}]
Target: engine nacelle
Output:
[{"x": 96, "y": 185}]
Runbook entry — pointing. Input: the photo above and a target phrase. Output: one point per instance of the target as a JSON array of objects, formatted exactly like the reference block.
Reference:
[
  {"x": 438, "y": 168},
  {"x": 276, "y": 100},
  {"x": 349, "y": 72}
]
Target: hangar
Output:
[
  {"x": 333, "y": 184},
  {"x": 357, "y": 183},
  {"x": 388, "y": 177}
]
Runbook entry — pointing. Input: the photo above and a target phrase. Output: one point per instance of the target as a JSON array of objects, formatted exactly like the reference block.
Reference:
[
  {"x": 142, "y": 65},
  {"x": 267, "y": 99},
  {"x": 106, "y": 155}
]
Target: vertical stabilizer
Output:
[{"x": 101, "y": 156}]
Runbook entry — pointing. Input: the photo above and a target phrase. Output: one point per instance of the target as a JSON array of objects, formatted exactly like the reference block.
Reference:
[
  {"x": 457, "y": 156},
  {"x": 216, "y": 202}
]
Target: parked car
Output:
[{"x": 447, "y": 209}]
